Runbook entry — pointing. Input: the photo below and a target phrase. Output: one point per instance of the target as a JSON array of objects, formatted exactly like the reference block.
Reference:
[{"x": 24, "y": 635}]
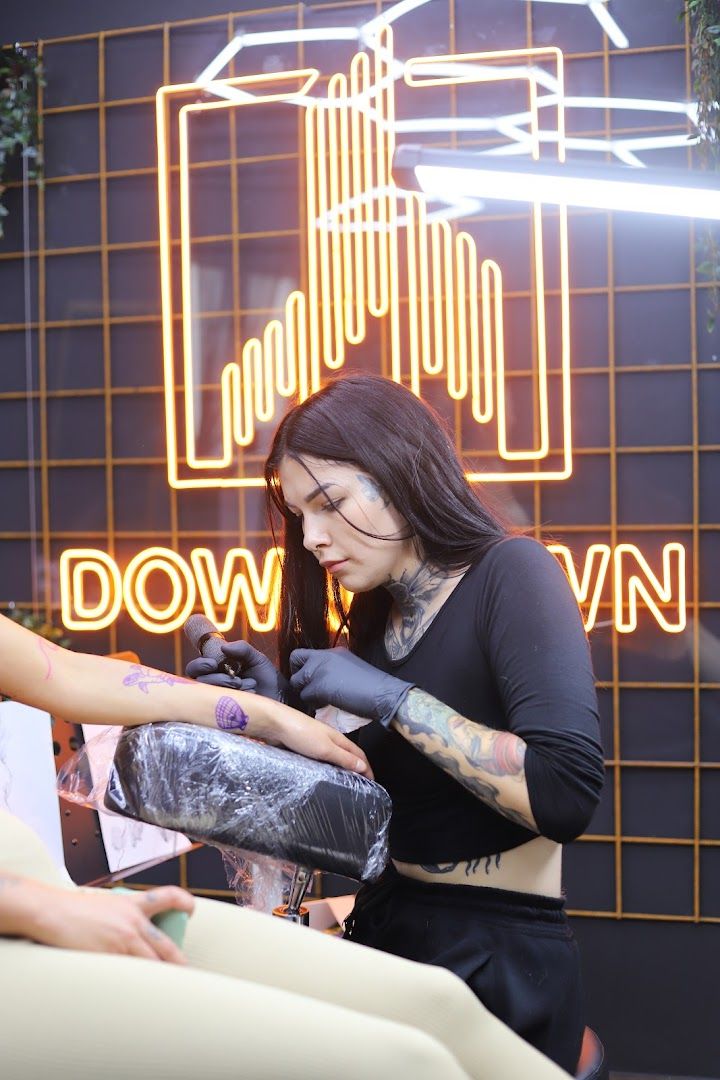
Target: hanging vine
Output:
[
  {"x": 704, "y": 22},
  {"x": 20, "y": 77}
]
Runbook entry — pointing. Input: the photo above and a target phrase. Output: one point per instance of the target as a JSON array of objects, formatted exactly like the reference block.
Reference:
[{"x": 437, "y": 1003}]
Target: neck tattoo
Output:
[{"x": 415, "y": 595}]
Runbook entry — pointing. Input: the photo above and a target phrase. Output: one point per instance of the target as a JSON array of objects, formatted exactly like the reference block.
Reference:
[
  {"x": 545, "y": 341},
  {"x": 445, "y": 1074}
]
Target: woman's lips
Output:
[{"x": 332, "y": 567}]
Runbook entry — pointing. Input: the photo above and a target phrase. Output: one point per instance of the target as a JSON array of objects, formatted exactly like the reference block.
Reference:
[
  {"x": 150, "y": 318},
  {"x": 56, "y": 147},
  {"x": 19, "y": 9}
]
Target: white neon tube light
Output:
[
  {"x": 603, "y": 16},
  {"x": 609, "y": 25},
  {"x": 218, "y": 62},
  {"x": 369, "y": 29}
]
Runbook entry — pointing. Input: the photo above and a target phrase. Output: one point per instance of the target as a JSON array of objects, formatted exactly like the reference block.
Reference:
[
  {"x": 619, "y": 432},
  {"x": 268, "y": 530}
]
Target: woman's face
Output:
[{"x": 334, "y": 502}]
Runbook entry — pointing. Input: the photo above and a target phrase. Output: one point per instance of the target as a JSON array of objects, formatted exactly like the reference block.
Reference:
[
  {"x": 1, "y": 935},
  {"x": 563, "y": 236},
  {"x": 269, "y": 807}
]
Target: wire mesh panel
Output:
[{"x": 643, "y": 397}]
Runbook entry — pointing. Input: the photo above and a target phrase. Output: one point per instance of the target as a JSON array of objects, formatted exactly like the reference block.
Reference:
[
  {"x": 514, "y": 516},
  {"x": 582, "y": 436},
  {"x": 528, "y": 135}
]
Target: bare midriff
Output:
[{"x": 535, "y": 867}]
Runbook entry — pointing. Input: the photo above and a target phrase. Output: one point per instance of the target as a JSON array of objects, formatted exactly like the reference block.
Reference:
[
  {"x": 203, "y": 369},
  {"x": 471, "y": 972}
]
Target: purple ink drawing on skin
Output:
[
  {"x": 143, "y": 677},
  {"x": 46, "y": 647},
  {"x": 230, "y": 716}
]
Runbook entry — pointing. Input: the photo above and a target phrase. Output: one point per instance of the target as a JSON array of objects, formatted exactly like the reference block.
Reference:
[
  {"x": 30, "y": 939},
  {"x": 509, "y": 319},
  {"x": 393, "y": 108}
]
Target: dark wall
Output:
[
  {"x": 649, "y": 992},
  {"x": 47, "y": 19},
  {"x": 646, "y": 395}
]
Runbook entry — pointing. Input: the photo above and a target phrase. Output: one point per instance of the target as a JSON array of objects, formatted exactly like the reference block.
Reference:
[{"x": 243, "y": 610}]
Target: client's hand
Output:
[
  {"x": 338, "y": 677},
  {"x": 316, "y": 740},
  {"x": 93, "y": 920},
  {"x": 257, "y": 673}
]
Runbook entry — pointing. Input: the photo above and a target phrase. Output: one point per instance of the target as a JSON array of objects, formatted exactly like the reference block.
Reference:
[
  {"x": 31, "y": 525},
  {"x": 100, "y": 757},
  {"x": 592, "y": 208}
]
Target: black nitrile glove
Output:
[
  {"x": 338, "y": 677},
  {"x": 257, "y": 673}
]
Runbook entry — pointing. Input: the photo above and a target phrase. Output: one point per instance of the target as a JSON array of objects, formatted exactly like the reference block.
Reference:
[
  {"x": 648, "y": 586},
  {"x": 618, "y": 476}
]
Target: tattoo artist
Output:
[{"x": 468, "y": 655}]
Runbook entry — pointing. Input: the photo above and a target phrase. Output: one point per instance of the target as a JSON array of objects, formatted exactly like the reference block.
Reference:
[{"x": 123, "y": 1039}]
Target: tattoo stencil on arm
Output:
[
  {"x": 144, "y": 677},
  {"x": 47, "y": 648},
  {"x": 229, "y": 715}
]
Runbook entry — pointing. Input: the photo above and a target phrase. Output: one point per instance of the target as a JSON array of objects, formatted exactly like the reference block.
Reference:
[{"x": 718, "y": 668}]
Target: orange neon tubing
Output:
[{"x": 353, "y": 270}]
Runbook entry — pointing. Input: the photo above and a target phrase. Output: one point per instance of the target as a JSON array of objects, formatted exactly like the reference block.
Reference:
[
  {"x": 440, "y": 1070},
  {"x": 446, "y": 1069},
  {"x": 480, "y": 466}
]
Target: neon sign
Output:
[
  {"x": 370, "y": 245},
  {"x": 374, "y": 251},
  {"x": 239, "y": 585}
]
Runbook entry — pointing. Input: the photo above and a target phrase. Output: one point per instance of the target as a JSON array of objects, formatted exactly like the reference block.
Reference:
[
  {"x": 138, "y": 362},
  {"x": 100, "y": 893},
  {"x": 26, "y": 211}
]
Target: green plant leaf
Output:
[{"x": 20, "y": 77}]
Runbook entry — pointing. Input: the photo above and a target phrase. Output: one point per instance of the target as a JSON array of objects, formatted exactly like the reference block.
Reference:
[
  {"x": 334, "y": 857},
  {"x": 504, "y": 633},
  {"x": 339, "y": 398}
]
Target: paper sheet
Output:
[
  {"x": 27, "y": 773},
  {"x": 127, "y": 843}
]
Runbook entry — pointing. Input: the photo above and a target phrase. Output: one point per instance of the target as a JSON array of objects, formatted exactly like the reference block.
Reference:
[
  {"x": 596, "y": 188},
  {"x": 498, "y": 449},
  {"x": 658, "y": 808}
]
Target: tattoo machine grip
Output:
[{"x": 208, "y": 641}]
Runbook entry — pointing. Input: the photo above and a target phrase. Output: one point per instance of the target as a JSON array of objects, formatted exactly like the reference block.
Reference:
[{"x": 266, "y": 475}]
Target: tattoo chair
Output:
[{"x": 247, "y": 797}]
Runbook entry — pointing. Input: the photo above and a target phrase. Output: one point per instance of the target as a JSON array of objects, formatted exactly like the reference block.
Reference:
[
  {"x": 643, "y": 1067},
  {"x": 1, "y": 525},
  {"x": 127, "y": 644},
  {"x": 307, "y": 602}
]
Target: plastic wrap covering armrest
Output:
[{"x": 235, "y": 792}]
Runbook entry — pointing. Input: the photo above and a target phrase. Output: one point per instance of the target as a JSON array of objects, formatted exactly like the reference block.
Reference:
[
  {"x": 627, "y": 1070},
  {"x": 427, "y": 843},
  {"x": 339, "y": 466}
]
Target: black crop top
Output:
[{"x": 507, "y": 650}]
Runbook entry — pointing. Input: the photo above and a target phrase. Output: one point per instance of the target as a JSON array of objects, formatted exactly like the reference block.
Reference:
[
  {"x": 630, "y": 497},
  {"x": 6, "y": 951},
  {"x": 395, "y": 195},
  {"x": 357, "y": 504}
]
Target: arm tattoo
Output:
[
  {"x": 47, "y": 648},
  {"x": 144, "y": 677},
  {"x": 230, "y": 716},
  {"x": 371, "y": 489},
  {"x": 468, "y": 752}
]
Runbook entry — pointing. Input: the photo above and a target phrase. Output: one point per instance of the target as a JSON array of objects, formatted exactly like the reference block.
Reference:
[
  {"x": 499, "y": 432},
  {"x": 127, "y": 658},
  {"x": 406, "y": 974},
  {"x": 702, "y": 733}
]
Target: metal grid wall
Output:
[{"x": 645, "y": 389}]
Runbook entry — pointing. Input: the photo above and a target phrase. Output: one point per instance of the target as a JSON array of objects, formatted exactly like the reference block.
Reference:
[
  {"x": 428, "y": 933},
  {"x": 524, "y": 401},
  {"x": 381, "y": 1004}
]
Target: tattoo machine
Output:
[{"x": 208, "y": 641}]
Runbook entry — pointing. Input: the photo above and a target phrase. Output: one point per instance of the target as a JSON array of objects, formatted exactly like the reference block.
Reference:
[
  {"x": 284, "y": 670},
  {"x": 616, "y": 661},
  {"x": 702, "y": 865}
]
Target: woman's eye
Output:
[{"x": 329, "y": 506}]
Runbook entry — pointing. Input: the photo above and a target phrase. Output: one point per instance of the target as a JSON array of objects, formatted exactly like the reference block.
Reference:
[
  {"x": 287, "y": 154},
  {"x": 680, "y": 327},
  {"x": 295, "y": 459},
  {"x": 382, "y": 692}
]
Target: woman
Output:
[
  {"x": 96, "y": 1003},
  {"x": 467, "y": 651}
]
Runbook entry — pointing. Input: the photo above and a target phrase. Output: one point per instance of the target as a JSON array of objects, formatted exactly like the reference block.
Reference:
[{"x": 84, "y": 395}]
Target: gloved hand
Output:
[
  {"x": 257, "y": 673},
  {"x": 338, "y": 677}
]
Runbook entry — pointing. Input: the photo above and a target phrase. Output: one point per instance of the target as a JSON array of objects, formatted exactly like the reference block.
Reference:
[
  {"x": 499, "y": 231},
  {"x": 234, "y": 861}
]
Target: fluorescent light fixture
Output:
[{"x": 458, "y": 174}]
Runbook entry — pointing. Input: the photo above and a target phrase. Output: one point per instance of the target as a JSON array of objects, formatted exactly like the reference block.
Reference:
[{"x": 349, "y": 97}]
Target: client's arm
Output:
[
  {"x": 90, "y": 920},
  {"x": 97, "y": 690}
]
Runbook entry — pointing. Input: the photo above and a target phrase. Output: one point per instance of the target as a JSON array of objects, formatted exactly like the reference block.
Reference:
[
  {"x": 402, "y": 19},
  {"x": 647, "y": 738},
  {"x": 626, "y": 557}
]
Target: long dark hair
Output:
[{"x": 398, "y": 440}]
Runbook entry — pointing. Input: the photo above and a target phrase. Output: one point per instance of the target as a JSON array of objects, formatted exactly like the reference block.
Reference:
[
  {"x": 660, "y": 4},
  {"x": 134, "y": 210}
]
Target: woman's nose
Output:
[{"x": 314, "y": 537}]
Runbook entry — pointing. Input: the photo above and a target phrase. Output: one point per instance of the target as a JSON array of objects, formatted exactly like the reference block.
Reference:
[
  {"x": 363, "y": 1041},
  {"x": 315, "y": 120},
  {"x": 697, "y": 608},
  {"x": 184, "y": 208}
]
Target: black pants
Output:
[{"x": 515, "y": 951}]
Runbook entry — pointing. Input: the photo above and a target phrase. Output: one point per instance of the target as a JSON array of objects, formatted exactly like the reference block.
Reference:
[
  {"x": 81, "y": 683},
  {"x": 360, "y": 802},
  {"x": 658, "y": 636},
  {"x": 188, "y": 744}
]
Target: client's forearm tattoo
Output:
[
  {"x": 469, "y": 752},
  {"x": 47, "y": 648},
  {"x": 230, "y": 716},
  {"x": 145, "y": 677}
]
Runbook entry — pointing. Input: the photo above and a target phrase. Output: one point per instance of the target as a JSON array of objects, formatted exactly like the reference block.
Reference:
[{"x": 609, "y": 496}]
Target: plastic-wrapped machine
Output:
[{"x": 237, "y": 793}]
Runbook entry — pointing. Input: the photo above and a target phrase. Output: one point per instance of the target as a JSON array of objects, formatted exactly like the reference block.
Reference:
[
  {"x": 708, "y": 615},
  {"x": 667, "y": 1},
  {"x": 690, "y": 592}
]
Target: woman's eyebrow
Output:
[{"x": 318, "y": 490}]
